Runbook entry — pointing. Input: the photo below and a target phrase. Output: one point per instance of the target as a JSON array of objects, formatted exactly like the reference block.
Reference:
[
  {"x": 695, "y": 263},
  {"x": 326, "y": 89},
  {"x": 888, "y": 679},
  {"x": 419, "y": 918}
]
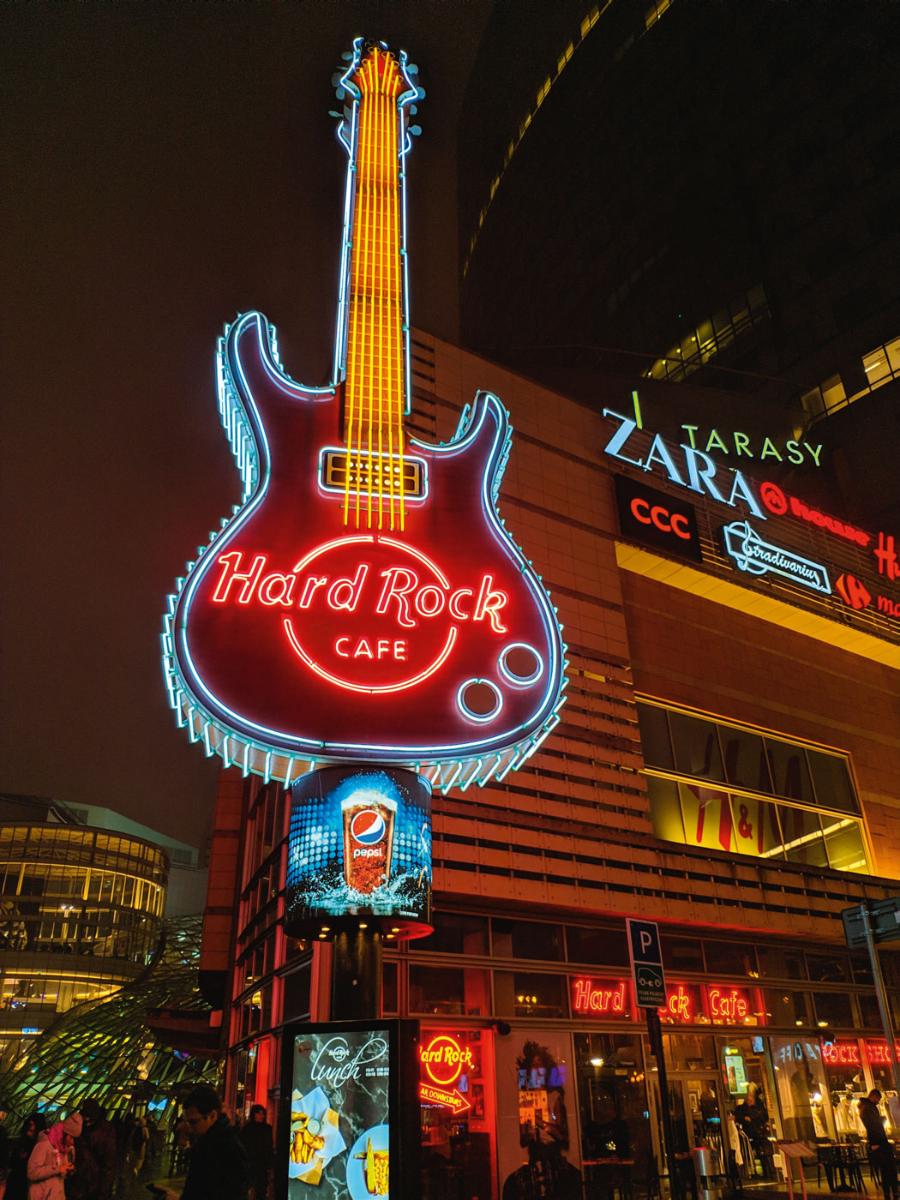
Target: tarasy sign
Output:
[
  {"x": 884, "y": 916},
  {"x": 646, "y": 963}
]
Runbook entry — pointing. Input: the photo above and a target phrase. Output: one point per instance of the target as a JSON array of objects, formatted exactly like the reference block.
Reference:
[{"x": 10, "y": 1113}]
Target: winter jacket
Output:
[
  {"x": 871, "y": 1119},
  {"x": 94, "y": 1177},
  {"x": 46, "y": 1166},
  {"x": 218, "y": 1167}
]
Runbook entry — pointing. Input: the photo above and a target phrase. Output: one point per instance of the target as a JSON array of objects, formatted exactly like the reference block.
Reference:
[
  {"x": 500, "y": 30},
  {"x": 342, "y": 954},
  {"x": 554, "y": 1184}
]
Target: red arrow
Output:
[{"x": 454, "y": 1100}]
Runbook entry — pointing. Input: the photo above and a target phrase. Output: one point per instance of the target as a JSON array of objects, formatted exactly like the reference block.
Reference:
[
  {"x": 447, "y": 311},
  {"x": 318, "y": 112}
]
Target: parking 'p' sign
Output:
[{"x": 646, "y": 963}]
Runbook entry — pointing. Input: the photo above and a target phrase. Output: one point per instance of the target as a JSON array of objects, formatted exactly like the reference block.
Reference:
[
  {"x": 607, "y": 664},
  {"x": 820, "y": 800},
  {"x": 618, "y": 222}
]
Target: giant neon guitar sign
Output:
[{"x": 365, "y": 602}]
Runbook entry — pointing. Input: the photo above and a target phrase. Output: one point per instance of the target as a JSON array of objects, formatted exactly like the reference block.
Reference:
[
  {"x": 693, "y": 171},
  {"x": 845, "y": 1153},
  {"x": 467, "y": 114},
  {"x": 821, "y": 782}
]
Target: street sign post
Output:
[
  {"x": 646, "y": 964},
  {"x": 645, "y": 952},
  {"x": 884, "y": 916},
  {"x": 865, "y": 925}
]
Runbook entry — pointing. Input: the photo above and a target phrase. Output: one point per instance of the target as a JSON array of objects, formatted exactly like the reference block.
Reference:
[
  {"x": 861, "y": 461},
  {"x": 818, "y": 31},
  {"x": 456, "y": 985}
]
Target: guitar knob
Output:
[
  {"x": 520, "y": 664},
  {"x": 479, "y": 700}
]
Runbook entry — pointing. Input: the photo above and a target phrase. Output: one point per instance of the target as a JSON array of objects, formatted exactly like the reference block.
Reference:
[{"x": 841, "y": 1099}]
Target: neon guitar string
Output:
[
  {"x": 375, "y": 319},
  {"x": 397, "y": 292}
]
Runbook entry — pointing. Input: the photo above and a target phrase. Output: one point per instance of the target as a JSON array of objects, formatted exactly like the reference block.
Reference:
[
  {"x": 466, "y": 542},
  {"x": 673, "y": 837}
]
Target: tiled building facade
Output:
[{"x": 725, "y": 764}]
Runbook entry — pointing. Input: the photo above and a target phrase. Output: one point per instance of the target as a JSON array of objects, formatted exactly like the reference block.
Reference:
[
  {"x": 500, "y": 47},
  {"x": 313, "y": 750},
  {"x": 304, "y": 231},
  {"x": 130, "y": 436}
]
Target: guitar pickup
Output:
[{"x": 373, "y": 474}]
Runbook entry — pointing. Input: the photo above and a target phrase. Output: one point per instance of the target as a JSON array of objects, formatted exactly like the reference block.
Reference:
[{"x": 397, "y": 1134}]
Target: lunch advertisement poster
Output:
[{"x": 339, "y": 1143}]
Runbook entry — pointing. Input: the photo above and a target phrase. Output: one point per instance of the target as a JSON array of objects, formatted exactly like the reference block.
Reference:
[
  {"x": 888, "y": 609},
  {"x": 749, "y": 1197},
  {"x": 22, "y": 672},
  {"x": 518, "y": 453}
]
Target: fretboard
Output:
[{"x": 374, "y": 399}]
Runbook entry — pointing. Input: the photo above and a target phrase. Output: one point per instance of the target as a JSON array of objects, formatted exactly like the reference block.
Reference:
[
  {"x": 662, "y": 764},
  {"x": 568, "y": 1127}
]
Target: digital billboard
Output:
[
  {"x": 359, "y": 847},
  {"x": 344, "y": 1128}
]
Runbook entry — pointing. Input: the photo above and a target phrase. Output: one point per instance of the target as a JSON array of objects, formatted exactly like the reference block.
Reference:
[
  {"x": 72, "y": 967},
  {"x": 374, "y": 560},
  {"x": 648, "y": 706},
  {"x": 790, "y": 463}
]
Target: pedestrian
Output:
[
  {"x": 17, "y": 1179},
  {"x": 49, "y": 1165},
  {"x": 181, "y": 1143},
  {"x": 4, "y": 1147},
  {"x": 218, "y": 1164},
  {"x": 259, "y": 1145},
  {"x": 94, "y": 1177},
  {"x": 881, "y": 1152}
]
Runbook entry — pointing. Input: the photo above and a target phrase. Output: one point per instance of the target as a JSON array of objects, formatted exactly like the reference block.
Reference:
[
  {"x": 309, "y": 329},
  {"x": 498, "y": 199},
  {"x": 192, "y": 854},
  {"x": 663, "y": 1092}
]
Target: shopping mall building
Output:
[{"x": 725, "y": 765}]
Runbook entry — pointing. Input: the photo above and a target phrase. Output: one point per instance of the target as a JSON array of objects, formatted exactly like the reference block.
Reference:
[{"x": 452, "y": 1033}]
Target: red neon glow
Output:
[
  {"x": 444, "y": 1059},
  {"x": 728, "y": 1004},
  {"x": 679, "y": 1006},
  {"x": 594, "y": 996},
  {"x": 877, "y": 1053},
  {"x": 781, "y": 504},
  {"x": 886, "y": 556},
  {"x": 844, "y": 1054},
  {"x": 661, "y": 518}
]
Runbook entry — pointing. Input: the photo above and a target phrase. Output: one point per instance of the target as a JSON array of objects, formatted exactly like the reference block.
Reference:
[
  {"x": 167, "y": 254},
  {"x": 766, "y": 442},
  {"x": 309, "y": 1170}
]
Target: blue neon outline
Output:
[
  {"x": 242, "y": 422},
  {"x": 742, "y": 532},
  {"x": 473, "y": 716},
  {"x": 519, "y": 681}
]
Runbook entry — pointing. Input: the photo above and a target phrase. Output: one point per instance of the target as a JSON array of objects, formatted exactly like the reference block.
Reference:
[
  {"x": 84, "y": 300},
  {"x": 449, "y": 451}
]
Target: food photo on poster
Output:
[
  {"x": 339, "y": 1131},
  {"x": 359, "y": 847}
]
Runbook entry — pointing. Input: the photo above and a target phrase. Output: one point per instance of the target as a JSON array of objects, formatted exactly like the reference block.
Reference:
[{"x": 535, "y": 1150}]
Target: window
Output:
[
  {"x": 869, "y": 1012},
  {"x": 790, "y": 772},
  {"x": 746, "y": 764},
  {"x": 530, "y": 994},
  {"x": 827, "y": 969},
  {"x": 786, "y": 1007},
  {"x": 527, "y": 939},
  {"x": 454, "y": 991},
  {"x": 455, "y": 933},
  {"x": 745, "y": 821},
  {"x": 681, "y": 954},
  {"x": 833, "y": 1009},
  {"x": 655, "y": 741},
  {"x": 696, "y": 747},
  {"x": 598, "y": 947},
  {"x": 731, "y": 958},
  {"x": 831, "y": 779}
]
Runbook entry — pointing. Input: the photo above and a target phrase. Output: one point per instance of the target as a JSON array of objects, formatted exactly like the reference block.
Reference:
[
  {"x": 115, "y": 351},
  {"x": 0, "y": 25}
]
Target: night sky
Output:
[{"x": 167, "y": 166}]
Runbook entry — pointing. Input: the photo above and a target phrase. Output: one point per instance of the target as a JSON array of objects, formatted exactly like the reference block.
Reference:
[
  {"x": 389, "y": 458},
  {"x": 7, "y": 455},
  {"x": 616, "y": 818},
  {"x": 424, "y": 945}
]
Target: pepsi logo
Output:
[{"x": 368, "y": 827}]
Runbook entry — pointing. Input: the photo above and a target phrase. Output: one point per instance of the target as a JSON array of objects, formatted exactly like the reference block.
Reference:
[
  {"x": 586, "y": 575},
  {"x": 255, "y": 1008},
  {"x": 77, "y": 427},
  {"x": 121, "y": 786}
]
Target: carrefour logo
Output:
[{"x": 368, "y": 827}]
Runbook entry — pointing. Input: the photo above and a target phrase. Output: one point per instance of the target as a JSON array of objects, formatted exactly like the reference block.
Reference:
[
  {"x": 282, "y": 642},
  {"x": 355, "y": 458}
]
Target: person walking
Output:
[
  {"x": 259, "y": 1145},
  {"x": 49, "y": 1165},
  {"x": 218, "y": 1168},
  {"x": 881, "y": 1152},
  {"x": 94, "y": 1177}
]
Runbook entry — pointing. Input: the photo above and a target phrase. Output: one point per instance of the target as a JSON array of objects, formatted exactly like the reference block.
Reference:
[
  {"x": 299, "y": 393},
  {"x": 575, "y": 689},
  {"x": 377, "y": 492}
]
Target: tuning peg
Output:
[
  {"x": 336, "y": 78},
  {"x": 421, "y": 93},
  {"x": 412, "y": 69},
  {"x": 338, "y": 116},
  {"x": 412, "y": 110},
  {"x": 415, "y": 130},
  {"x": 347, "y": 56}
]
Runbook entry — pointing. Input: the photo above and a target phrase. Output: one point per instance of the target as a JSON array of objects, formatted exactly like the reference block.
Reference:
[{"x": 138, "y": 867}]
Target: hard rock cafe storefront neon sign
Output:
[{"x": 443, "y": 1060}]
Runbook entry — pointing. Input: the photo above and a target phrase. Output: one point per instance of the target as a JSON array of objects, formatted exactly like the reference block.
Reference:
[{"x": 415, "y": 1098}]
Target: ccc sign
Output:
[
  {"x": 661, "y": 518},
  {"x": 655, "y": 519}
]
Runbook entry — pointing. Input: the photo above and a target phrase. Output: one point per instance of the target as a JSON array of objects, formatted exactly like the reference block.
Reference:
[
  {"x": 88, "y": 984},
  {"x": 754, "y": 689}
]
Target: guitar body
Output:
[{"x": 433, "y": 643}]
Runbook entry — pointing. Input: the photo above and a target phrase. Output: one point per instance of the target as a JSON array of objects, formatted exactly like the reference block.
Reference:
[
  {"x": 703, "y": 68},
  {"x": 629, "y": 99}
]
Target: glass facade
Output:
[
  {"x": 106, "y": 1049},
  {"x": 80, "y": 914},
  {"x": 733, "y": 788}
]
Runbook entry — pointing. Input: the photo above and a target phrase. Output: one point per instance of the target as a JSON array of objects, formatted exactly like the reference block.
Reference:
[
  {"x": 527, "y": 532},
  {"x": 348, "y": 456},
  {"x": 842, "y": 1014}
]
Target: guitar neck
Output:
[{"x": 376, "y": 352}]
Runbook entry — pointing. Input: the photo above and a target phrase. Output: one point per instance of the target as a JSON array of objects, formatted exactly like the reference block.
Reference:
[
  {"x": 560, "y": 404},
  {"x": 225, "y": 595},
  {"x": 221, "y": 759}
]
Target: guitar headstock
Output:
[{"x": 371, "y": 70}]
